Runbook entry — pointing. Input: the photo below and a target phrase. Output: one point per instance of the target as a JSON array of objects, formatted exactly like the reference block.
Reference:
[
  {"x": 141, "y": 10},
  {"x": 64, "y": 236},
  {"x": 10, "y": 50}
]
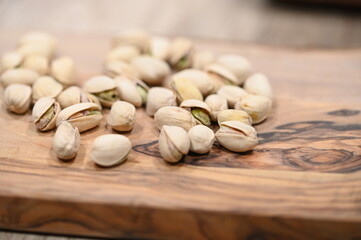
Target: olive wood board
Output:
[{"x": 303, "y": 180}]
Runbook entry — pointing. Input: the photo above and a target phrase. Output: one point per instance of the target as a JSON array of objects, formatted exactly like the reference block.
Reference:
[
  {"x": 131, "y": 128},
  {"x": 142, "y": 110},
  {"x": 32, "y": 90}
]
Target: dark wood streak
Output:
[{"x": 344, "y": 112}]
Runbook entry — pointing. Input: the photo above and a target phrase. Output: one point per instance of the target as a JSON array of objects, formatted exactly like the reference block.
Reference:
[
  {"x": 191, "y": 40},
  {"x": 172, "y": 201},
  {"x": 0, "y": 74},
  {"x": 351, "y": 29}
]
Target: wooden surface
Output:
[{"x": 301, "y": 182}]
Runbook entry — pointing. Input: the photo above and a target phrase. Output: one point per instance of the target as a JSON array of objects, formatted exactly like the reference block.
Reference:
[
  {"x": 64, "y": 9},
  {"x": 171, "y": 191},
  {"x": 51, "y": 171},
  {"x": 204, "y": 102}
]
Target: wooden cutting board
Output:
[{"x": 303, "y": 181}]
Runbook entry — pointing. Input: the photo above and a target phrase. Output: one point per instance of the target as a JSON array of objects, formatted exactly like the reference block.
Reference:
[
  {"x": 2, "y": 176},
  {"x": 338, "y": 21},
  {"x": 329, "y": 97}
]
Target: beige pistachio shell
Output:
[
  {"x": 116, "y": 68},
  {"x": 46, "y": 86},
  {"x": 150, "y": 69},
  {"x": 234, "y": 115},
  {"x": 238, "y": 65},
  {"x": 174, "y": 116},
  {"x": 133, "y": 37},
  {"x": 40, "y": 38},
  {"x": 159, "y": 48},
  {"x": 11, "y": 60},
  {"x": 17, "y": 98},
  {"x": 66, "y": 141},
  {"x": 258, "y": 84},
  {"x": 180, "y": 53},
  {"x": 122, "y": 116},
  {"x": 128, "y": 90},
  {"x": 110, "y": 149},
  {"x": 201, "y": 139},
  {"x": 63, "y": 70},
  {"x": 232, "y": 94},
  {"x": 38, "y": 63},
  {"x": 123, "y": 53},
  {"x": 45, "y": 113},
  {"x": 73, "y": 95},
  {"x": 102, "y": 84},
  {"x": 35, "y": 48},
  {"x": 257, "y": 106},
  {"x": 79, "y": 115},
  {"x": 159, "y": 97},
  {"x": 202, "y": 58},
  {"x": 237, "y": 136},
  {"x": 216, "y": 103},
  {"x": 220, "y": 73},
  {"x": 18, "y": 75},
  {"x": 184, "y": 89},
  {"x": 199, "y": 78},
  {"x": 174, "y": 143},
  {"x": 191, "y": 103}
]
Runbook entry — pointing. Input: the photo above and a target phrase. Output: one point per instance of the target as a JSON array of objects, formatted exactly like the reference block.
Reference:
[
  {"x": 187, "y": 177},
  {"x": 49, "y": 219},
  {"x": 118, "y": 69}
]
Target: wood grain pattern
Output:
[{"x": 302, "y": 182}]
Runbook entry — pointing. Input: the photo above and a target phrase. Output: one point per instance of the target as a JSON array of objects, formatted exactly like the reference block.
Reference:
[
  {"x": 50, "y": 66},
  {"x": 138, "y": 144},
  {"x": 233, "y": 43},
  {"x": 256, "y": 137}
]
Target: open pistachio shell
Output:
[
  {"x": 73, "y": 95},
  {"x": 158, "y": 47},
  {"x": 38, "y": 63},
  {"x": 150, "y": 69},
  {"x": 221, "y": 75},
  {"x": 46, "y": 86},
  {"x": 174, "y": 116},
  {"x": 45, "y": 113},
  {"x": 17, "y": 98},
  {"x": 18, "y": 75},
  {"x": 258, "y": 84},
  {"x": 202, "y": 58},
  {"x": 199, "y": 78},
  {"x": 199, "y": 109},
  {"x": 180, "y": 53},
  {"x": 66, "y": 141},
  {"x": 185, "y": 89},
  {"x": 122, "y": 116},
  {"x": 116, "y": 68},
  {"x": 104, "y": 88},
  {"x": 238, "y": 65},
  {"x": 257, "y": 106},
  {"x": 159, "y": 97},
  {"x": 133, "y": 91},
  {"x": 123, "y": 53},
  {"x": 174, "y": 143},
  {"x": 133, "y": 37},
  {"x": 232, "y": 94},
  {"x": 234, "y": 115},
  {"x": 202, "y": 139},
  {"x": 11, "y": 60},
  {"x": 63, "y": 70},
  {"x": 216, "y": 103}
]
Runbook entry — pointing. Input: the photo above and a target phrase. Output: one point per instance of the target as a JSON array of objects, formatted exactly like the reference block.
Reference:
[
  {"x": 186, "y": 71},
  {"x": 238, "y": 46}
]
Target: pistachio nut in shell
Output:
[
  {"x": 159, "y": 97},
  {"x": 46, "y": 86},
  {"x": 116, "y": 68},
  {"x": 110, "y": 149},
  {"x": 258, "y": 84},
  {"x": 66, "y": 141},
  {"x": 199, "y": 109},
  {"x": 222, "y": 74},
  {"x": 18, "y": 75},
  {"x": 150, "y": 69},
  {"x": 174, "y": 143},
  {"x": 180, "y": 53},
  {"x": 216, "y": 103},
  {"x": 35, "y": 48},
  {"x": 122, "y": 116},
  {"x": 73, "y": 95},
  {"x": 199, "y": 78},
  {"x": 104, "y": 88},
  {"x": 40, "y": 38},
  {"x": 237, "y": 136},
  {"x": 257, "y": 106},
  {"x": 83, "y": 116},
  {"x": 184, "y": 89},
  {"x": 63, "y": 70},
  {"x": 11, "y": 59},
  {"x": 158, "y": 47},
  {"x": 201, "y": 139},
  {"x": 174, "y": 116},
  {"x": 202, "y": 58},
  {"x": 232, "y": 94},
  {"x": 234, "y": 115},
  {"x": 45, "y": 113},
  {"x": 38, "y": 63},
  {"x": 123, "y": 53},
  {"x": 133, "y": 91},
  {"x": 237, "y": 64},
  {"x": 133, "y": 37},
  {"x": 17, "y": 98}
]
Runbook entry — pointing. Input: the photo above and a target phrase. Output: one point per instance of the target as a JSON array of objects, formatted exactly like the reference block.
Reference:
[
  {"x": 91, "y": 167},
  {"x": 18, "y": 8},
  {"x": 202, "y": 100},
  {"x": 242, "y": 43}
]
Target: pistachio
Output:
[
  {"x": 40, "y": 39},
  {"x": 84, "y": 116},
  {"x": 73, "y": 95},
  {"x": 180, "y": 53},
  {"x": 123, "y": 53},
  {"x": 234, "y": 115},
  {"x": 38, "y": 63},
  {"x": 119, "y": 68},
  {"x": 258, "y": 84},
  {"x": 159, "y": 97},
  {"x": 150, "y": 69},
  {"x": 17, "y": 98},
  {"x": 110, "y": 149},
  {"x": 232, "y": 94},
  {"x": 104, "y": 88},
  {"x": 201, "y": 139},
  {"x": 45, "y": 113},
  {"x": 174, "y": 143},
  {"x": 199, "y": 78},
  {"x": 66, "y": 141},
  {"x": 133, "y": 37},
  {"x": 133, "y": 91},
  {"x": 236, "y": 136},
  {"x": 158, "y": 47},
  {"x": 46, "y": 86},
  {"x": 199, "y": 109},
  {"x": 238, "y": 65},
  {"x": 184, "y": 89},
  {"x": 36, "y": 48},
  {"x": 221, "y": 76},
  {"x": 257, "y": 106},
  {"x": 216, "y": 103},
  {"x": 122, "y": 116},
  {"x": 174, "y": 116},
  {"x": 63, "y": 70},
  {"x": 11, "y": 60},
  {"x": 202, "y": 58},
  {"x": 18, "y": 75}
]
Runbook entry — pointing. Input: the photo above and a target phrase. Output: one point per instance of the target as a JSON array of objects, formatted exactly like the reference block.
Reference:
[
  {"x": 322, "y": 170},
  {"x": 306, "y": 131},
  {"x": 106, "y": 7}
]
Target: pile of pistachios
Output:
[{"x": 187, "y": 91}]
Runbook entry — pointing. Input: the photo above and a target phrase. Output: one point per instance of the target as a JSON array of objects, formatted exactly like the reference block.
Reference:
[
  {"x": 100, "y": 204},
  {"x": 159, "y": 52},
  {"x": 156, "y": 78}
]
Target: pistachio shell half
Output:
[
  {"x": 258, "y": 84},
  {"x": 201, "y": 138},
  {"x": 199, "y": 78},
  {"x": 199, "y": 109},
  {"x": 104, "y": 88},
  {"x": 216, "y": 103},
  {"x": 234, "y": 115},
  {"x": 257, "y": 106},
  {"x": 63, "y": 70},
  {"x": 66, "y": 141},
  {"x": 18, "y": 75},
  {"x": 122, "y": 116},
  {"x": 17, "y": 98},
  {"x": 159, "y": 97},
  {"x": 174, "y": 143},
  {"x": 150, "y": 69},
  {"x": 238, "y": 65},
  {"x": 232, "y": 94},
  {"x": 174, "y": 116},
  {"x": 46, "y": 86},
  {"x": 45, "y": 113},
  {"x": 185, "y": 89}
]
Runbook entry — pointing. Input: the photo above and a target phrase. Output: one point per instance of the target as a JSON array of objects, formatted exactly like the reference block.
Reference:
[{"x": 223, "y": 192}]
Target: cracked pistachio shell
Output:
[
  {"x": 216, "y": 103},
  {"x": 18, "y": 75},
  {"x": 133, "y": 91},
  {"x": 199, "y": 78},
  {"x": 237, "y": 136},
  {"x": 232, "y": 94},
  {"x": 184, "y": 89},
  {"x": 234, "y": 115},
  {"x": 202, "y": 139},
  {"x": 45, "y": 113},
  {"x": 238, "y": 65},
  {"x": 122, "y": 116},
  {"x": 199, "y": 109},
  {"x": 83, "y": 116},
  {"x": 38, "y": 63},
  {"x": 202, "y": 58},
  {"x": 174, "y": 143},
  {"x": 40, "y": 38},
  {"x": 150, "y": 69},
  {"x": 258, "y": 84},
  {"x": 110, "y": 149},
  {"x": 159, "y": 48},
  {"x": 180, "y": 53},
  {"x": 63, "y": 70},
  {"x": 100, "y": 86},
  {"x": 257, "y": 106},
  {"x": 11, "y": 60},
  {"x": 159, "y": 97},
  {"x": 66, "y": 141},
  {"x": 123, "y": 53},
  {"x": 73, "y": 95},
  {"x": 46, "y": 86},
  {"x": 17, "y": 98},
  {"x": 174, "y": 116},
  {"x": 133, "y": 37},
  {"x": 221, "y": 75},
  {"x": 116, "y": 68}
]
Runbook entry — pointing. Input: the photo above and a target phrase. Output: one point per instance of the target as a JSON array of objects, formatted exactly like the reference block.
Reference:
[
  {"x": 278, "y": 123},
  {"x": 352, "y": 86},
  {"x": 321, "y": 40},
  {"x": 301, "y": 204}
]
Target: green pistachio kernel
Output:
[
  {"x": 201, "y": 116},
  {"x": 143, "y": 93},
  {"x": 183, "y": 63},
  {"x": 46, "y": 118},
  {"x": 109, "y": 95}
]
